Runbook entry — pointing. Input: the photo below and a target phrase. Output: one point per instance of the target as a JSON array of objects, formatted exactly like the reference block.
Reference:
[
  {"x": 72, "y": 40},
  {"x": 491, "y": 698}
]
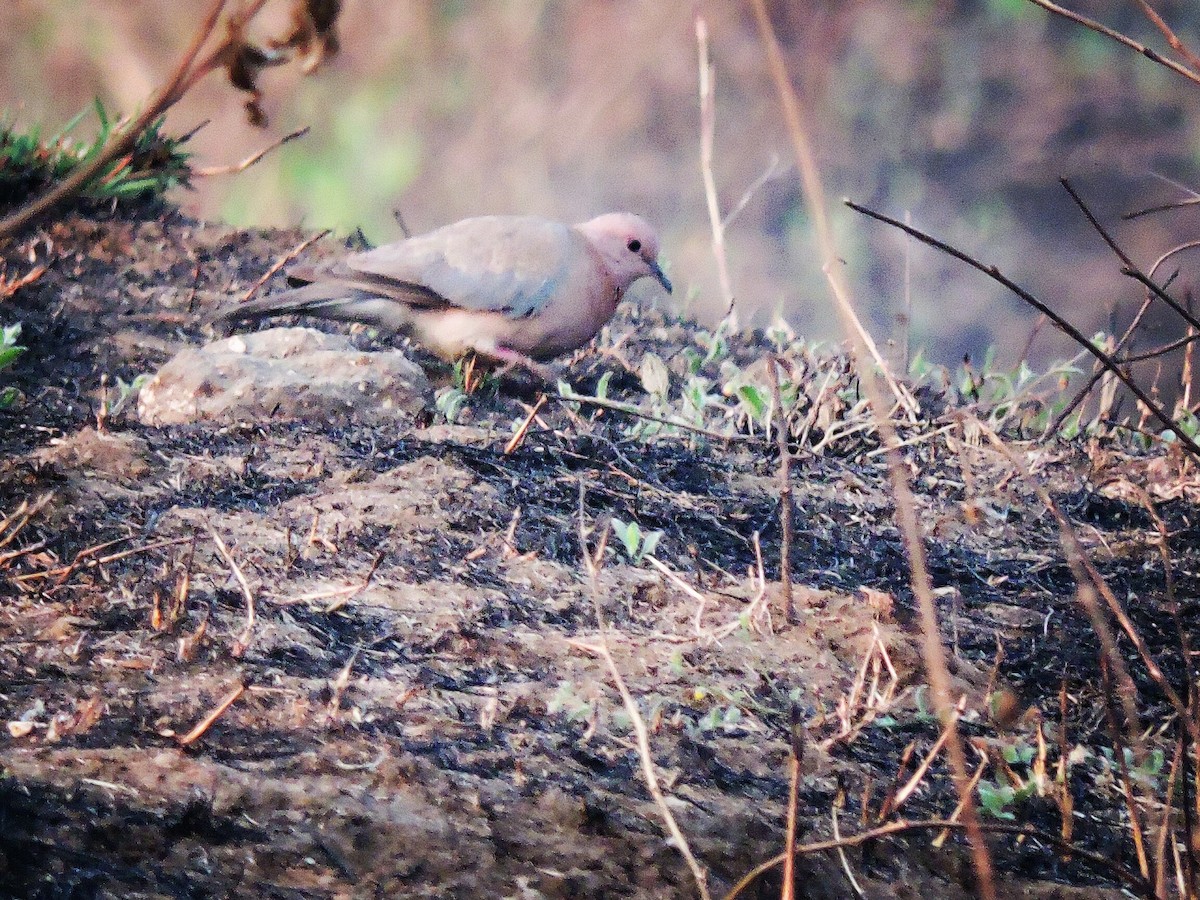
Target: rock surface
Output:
[{"x": 283, "y": 373}]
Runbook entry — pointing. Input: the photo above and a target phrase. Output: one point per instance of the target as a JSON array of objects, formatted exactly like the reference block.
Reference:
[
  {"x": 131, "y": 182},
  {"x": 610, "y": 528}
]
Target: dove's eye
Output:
[{"x": 634, "y": 245}]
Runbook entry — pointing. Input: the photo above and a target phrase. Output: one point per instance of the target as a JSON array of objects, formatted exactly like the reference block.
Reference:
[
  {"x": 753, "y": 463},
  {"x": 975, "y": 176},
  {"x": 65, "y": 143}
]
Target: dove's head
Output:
[{"x": 628, "y": 246}]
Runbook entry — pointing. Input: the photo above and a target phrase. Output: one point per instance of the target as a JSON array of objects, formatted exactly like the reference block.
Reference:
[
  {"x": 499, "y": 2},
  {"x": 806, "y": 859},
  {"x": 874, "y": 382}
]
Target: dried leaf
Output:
[{"x": 313, "y": 35}]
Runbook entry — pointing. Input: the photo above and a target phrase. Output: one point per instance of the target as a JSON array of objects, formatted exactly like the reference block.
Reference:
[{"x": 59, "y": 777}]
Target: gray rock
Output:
[{"x": 283, "y": 373}]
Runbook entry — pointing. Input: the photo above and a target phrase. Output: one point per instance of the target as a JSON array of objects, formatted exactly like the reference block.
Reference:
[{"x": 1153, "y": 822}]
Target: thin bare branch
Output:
[
  {"x": 1062, "y": 324},
  {"x": 123, "y": 142},
  {"x": 1149, "y": 53},
  {"x": 253, "y": 158}
]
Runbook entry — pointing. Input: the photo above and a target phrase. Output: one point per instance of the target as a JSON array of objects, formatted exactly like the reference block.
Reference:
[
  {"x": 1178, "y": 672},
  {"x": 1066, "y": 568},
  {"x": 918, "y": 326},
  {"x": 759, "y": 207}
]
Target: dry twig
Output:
[
  {"x": 1098, "y": 860},
  {"x": 592, "y": 564},
  {"x": 708, "y": 119},
  {"x": 864, "y": 348},
  {"x": 243, "y": 641},
  {"x": 207, "y": 722},
  {"x": 1062, "y": 324}
]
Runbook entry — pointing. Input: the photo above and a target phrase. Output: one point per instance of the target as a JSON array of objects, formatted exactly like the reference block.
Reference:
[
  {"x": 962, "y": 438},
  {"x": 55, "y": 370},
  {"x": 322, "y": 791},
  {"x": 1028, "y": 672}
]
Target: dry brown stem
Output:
[
  {"x": 708, "y": 120},
  {"x": 281, "y": 262},
  {"x": 785, "y": 495},
  {"x": 253, "y": 158},
  {"x": 1105, "y": 358},
  {"x": 933, "y": 653},
  {"x": 243, "y": 640},
  {"x": 1100, "y": 861},
  {"x": 592, "y": 565},
  {"x": 207, "y": 722},
  {"x": 232, "y": 53},
  {"x": 794, "y": 764}
]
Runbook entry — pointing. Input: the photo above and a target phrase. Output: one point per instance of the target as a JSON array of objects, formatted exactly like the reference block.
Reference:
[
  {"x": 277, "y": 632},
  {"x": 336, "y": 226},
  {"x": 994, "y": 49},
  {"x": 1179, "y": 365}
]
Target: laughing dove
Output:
[{"x": 514, "y": 289}]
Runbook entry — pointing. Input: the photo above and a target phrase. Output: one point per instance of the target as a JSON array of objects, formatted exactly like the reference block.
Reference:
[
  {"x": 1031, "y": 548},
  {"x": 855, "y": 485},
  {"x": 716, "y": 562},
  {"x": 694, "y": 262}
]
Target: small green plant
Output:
[
  {"x": 638, "y": 544},
  {"x": 566, "y": 701},
  {"x": 719, "y": 719},
  {"x": 450, "y": 403},
  {"x": 156, "y": 163},
  {"x": 1147, "y": 773},
  {"x": 126, "y": 391},
  {"x": 10, "y": 350},
  {"x": 997, "y": 800},
  {"x": 1019, "y": 754}
]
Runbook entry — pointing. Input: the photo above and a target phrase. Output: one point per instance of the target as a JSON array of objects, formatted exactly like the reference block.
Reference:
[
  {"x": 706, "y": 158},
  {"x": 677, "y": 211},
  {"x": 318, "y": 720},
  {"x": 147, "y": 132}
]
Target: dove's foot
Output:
[{"x": 512, "y": 359}]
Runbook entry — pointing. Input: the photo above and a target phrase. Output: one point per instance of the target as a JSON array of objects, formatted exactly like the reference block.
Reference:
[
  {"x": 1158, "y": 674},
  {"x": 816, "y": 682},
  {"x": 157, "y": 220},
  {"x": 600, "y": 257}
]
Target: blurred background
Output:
[{"x": 961, "y": 113}]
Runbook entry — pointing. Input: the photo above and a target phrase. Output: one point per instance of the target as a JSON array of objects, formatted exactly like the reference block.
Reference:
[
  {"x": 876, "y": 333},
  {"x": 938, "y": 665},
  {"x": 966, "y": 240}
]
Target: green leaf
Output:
[{"x": 755, "y": 401}]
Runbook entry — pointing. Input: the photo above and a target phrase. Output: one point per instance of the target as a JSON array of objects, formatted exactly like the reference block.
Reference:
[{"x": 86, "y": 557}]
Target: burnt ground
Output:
[{"x": 421, "y": 712}]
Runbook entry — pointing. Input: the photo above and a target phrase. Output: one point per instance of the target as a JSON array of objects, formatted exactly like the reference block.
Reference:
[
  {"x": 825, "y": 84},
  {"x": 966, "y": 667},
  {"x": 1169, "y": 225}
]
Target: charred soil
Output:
[{"x": 416, "y": 710}]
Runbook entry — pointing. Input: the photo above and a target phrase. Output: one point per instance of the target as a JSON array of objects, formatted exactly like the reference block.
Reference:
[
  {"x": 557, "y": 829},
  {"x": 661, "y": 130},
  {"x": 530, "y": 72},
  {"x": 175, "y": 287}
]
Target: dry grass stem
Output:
[
  {"x": 785, "y": 495},
  {"x": 601, "y": 648},
  {"x": 283, "y": 261},
  {"x": 207, "y": 722},
  {"x": 243, "y": 640},
  {"x": 795, "y": 763},
  {"x": 708, "y": 119},
  {"x": 841, "y": 850},
  {"x": 630, "y": 410},
  {"x": 1171, "y": 37},
  {"x": 230, "y": 52},
  {"x": 519, "y": 436},
  {"x": 906, "y": 519},
  {"x": 1150, "y": 54},
  {"x": 901, "y": 796},
  {"x": 1102, "y": 356},
  {"x": 865, "y": 702},
  {"x": 1098, "y": 860},
  {"x": 123, "y": 142},
  {"x": 253, "y": 158}
]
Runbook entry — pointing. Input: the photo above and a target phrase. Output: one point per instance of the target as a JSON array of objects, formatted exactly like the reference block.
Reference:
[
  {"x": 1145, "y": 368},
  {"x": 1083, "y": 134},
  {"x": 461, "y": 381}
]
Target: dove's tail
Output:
[{"x": 324, "y": 300}]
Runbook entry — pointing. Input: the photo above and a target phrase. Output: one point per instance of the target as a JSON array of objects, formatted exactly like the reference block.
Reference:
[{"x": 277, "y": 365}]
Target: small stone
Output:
[{"x": 283, "y": 373}]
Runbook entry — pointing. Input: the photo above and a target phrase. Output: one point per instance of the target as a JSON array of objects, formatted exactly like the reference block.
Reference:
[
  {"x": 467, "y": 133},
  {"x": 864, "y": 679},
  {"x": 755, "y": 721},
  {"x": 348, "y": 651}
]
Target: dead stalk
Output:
[
  {"x": 1098, "y": 860},
  {"x": 207, "y": 722},
  {"x": 797, "y": 757},
  {"x": 918, "y": 775},
  {"x": 629, "y": 410},
  {"x": 708, "y": 119},
  {"x": 592, "y": 565},
  {"x": 229, "y": 51},
  {"x": 253, "y": 158},
  {"x": 840, "y": 800},
  {"x": 1091, "y": 583},
  {"x": 785, "y": 496},
  {"x": 517, "y": 438},
  {"x": 280, "y": 263},
  {"x": 1152, "y": 55},
  {"x": 178, "y": 84},
  {"x": 243, "y": 642},
  {"x": 1136, "y": 831},
  {"x": 1103, "y": 357},
  {"x": 906, "y": 519}
]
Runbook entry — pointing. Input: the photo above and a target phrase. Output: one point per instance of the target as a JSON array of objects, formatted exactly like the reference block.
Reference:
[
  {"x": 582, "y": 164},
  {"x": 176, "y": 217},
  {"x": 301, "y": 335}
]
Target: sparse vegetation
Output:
[
  {"x": 10, "y": 350},
  {"x": 30, "y": 162},
  {"x": 417, "y": 646}
]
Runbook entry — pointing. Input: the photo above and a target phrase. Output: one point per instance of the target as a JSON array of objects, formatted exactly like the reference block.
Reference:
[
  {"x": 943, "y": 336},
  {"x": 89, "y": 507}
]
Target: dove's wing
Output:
[{"x": 509, "y": 264}]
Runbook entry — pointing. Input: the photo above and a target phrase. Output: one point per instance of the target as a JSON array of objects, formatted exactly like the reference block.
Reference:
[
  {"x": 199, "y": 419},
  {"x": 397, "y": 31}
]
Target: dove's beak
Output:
[{"x": 662, "y": 279}]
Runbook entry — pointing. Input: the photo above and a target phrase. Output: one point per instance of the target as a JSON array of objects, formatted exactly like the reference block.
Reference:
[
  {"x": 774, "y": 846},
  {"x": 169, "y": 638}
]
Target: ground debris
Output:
[{"x": 420, "y": 714}]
